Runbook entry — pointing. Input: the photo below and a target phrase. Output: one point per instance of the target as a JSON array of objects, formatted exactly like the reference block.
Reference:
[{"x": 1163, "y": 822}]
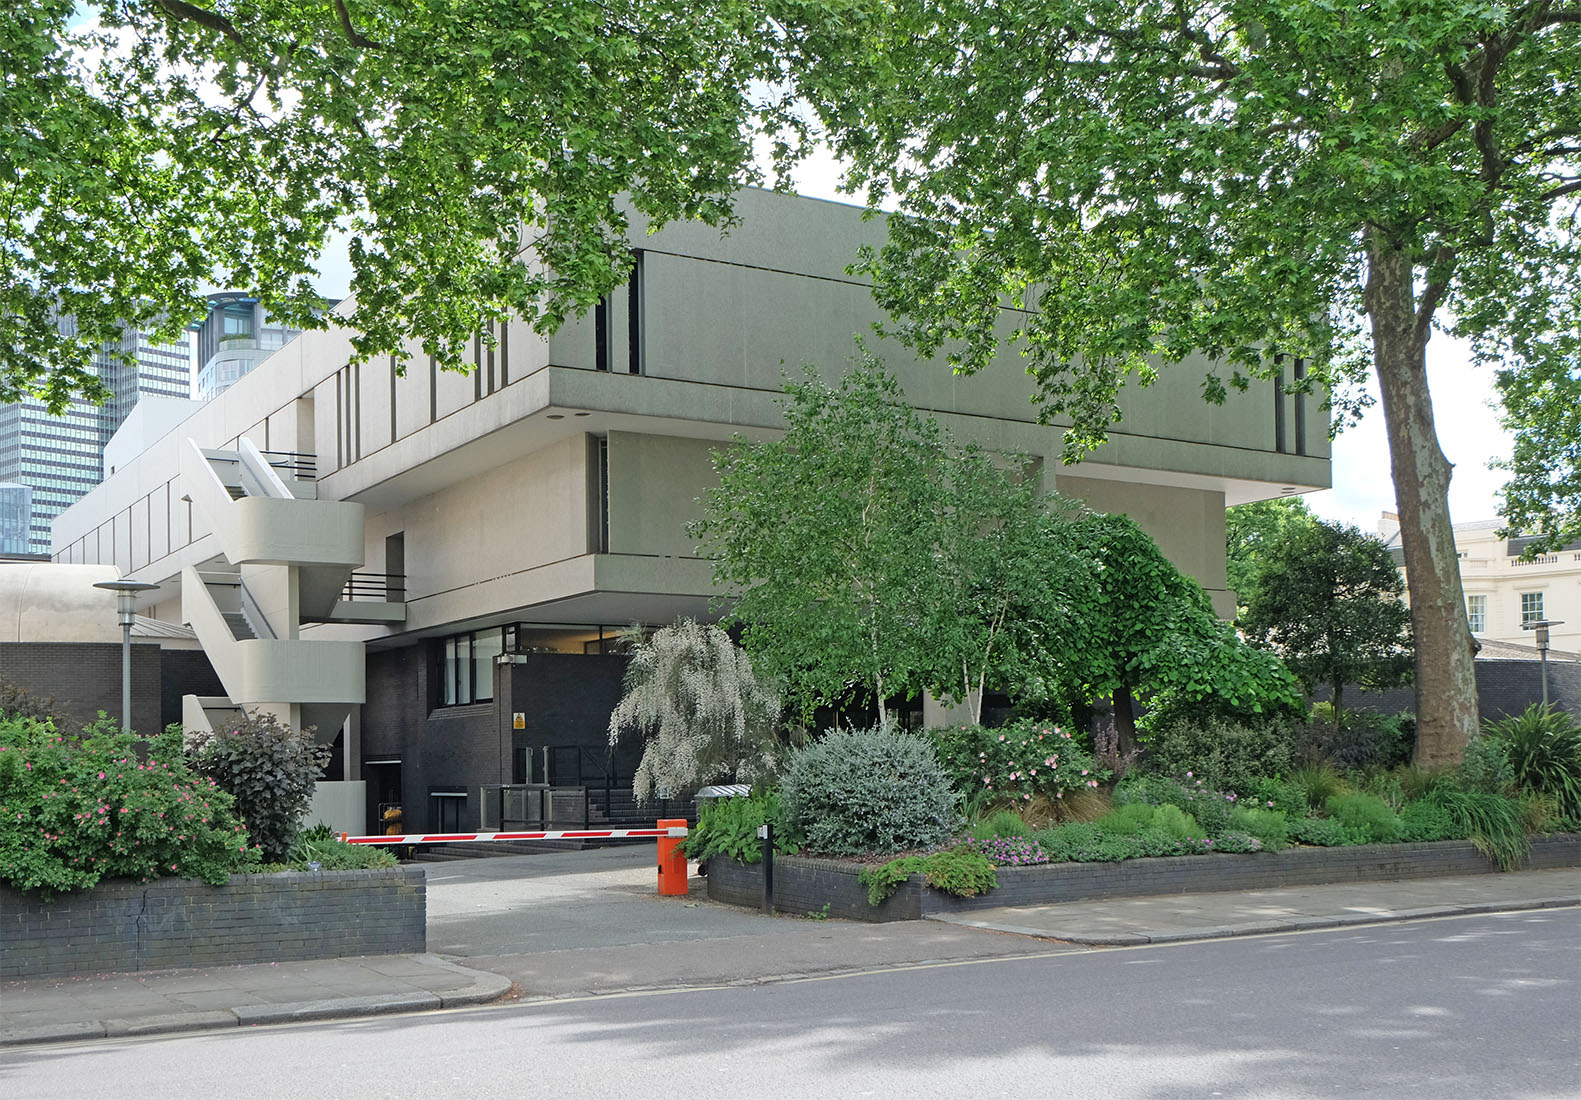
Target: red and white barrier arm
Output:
[{"x": 560, "y": 834}]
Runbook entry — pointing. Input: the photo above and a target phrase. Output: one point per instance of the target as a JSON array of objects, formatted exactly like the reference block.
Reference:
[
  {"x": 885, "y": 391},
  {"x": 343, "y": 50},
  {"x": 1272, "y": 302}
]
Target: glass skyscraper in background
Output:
[{"x": 59, "y": 458}]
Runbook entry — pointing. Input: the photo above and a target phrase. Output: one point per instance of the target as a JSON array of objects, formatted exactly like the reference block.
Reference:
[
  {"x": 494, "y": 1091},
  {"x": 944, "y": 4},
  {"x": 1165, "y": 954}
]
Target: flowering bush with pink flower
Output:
[
  {"x": 106, "y": 804},
  {"x": 1017, "y": 763}
]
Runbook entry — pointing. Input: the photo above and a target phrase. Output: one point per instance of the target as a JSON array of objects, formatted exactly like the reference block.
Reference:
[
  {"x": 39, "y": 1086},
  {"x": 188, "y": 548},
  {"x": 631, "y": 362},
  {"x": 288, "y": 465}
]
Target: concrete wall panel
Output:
[{"x": 654, "y": 484}]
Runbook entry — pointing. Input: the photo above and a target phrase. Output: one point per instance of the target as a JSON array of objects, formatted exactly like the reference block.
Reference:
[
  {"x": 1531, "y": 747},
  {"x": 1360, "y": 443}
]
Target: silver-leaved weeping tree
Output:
[{"x": 691, "y": 693}]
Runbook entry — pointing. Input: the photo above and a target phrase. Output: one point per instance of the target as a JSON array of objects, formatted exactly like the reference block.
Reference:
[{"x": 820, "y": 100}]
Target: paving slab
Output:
[
  {"x": 169, "y": 1001},
  {"x": 1121, "y": 922}
]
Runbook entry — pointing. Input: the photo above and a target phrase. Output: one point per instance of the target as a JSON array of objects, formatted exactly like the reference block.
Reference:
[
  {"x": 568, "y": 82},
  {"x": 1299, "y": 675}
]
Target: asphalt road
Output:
[{"x": 1478, "y": 1007}]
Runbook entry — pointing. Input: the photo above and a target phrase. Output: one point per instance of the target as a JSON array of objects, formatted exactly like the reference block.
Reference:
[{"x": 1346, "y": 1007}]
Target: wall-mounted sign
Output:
[{"x": 518, "y": 720}]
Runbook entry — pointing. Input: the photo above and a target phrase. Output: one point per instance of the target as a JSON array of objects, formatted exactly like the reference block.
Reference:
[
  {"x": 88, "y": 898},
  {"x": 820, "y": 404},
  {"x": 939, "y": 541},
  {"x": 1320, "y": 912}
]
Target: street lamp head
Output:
[
  {"x": 1541, "y": 627},
  {"x": 126, "y": 593}
]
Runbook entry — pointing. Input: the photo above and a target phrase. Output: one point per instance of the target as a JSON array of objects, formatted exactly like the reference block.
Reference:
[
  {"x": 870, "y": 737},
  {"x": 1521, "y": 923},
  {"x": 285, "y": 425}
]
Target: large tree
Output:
[
  {"x": 1152, "y": 635},
  {"x": 485, "y": 157},
  {"x": 825, "y": 540},
  {"x": 1251, "y": 531},
  {"x": 1250, "y": 179},
  {"x": 1329, "y": 599},
  {"x": 1542, "y": 407},
  {"x": 865, "y": 551}
]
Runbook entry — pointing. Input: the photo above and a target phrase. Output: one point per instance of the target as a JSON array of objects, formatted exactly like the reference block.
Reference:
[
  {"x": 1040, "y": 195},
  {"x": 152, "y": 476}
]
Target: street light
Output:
[
  {"x": 126, "y": 593},
  {"x": 1541, "y": 626}
]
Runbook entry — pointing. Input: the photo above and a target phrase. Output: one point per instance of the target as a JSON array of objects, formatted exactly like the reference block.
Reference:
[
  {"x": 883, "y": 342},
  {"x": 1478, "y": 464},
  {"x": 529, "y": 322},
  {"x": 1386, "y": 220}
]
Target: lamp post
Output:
[
  {"x": 1541, "y": 627},
  {"x": 126, "y": 593}
]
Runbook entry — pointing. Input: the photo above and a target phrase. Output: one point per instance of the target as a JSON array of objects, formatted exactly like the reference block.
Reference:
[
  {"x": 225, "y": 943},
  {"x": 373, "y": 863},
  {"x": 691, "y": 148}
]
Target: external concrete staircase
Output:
[{"x": 285, "y": 560}]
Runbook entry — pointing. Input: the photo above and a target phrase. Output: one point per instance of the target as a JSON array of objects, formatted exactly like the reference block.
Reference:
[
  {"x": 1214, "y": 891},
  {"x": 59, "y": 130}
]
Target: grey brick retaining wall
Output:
[
  {"x": 127, "y": 926},
  {"x": 806, "y": 885}
]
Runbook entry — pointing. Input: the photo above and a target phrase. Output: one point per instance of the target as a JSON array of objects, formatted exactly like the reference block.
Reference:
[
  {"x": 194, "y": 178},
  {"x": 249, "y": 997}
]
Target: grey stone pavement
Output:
[{"x": 568, "y": 924}]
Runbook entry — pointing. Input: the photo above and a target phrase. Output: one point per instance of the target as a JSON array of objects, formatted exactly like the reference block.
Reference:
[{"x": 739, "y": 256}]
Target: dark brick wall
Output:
[
  {"x": 1258, "y": 871},
  {"x": 566, "y": 699},
  {"x": 126, "y": 926},
  {"x": 806, "y": 885},
  {"x": 1503, "y": 688},
  {"x": 184, "y": 672},
  {"x": 85, "y": 678}
]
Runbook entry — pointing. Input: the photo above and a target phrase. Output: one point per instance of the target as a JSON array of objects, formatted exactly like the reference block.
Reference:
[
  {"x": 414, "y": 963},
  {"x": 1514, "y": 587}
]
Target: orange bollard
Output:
[{"x": 672, "y": 861}]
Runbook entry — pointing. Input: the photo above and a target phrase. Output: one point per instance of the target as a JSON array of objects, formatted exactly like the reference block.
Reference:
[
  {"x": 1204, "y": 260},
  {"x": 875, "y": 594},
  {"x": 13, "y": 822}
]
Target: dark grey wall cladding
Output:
[
  {"x": 127, "y": 926},
  {"x": 1503, "y": 688},
  {"x": 84, "y": 678},
  {"x": 565, "y": 699},
  {"x": 803, "y": 885},
  {"x": 184, "y": 672}
]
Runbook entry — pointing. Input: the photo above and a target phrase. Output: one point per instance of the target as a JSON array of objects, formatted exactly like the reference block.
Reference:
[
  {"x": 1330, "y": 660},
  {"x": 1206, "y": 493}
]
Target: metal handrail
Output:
[
  {"x": 303, "y": 466},
  {"x": 387, "y": 587}
]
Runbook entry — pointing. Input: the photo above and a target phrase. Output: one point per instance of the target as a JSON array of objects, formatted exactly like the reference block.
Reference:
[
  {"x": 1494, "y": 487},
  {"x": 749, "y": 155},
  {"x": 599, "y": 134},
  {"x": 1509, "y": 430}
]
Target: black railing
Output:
[
  {"x": 303, "y": 467},
  {"x": 384, "y": 587}
]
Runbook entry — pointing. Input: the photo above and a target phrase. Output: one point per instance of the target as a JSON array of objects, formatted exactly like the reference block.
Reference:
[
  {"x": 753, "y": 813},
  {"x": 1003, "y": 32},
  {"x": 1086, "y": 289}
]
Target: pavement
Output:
[{"x": 569, "y": 924}]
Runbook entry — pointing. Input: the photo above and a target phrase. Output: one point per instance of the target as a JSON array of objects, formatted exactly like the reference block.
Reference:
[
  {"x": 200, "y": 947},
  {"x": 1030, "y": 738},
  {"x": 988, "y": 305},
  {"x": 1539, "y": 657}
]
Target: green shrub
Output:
[
  {"x": 319, "y": 845},
  {"x": 1017, "y": 763},
  {"x": 1363, "y": 739},
  {"x": 1236, "y": 842},
  {"x": 1490, "y": 821},
  {"x": 729, "y": 827},
  {"x": 1543, "y": 748},
  {"x": 1010, "y": 851},
  {"x": 1425, "y": 819},
  {"x": 1322, "y": 832},
  {"x": 960, "y": 871},
  {"x": 1209, "y": 808},
  {"x": 1226, "y": 755},
  {"x": 1284, "y": 795},
  {"x": 854, "y": 792},
  {"x": 1319, "y": 782},
  {"x": 270, "y": 770},
  {"x": 1269, "y": 826},
  {"x": 107, "y": 804},
  {"x": 1154, "y": 841},
  {"x": 1366, "y": 815},
  {"x": 1001, "y": 824},
  {"x": 1138, "y": 817},
  {"x": 1386, "y": 786},
  {"x": 1076, "y": 842},
  {"x": 1486, "y": 766}
]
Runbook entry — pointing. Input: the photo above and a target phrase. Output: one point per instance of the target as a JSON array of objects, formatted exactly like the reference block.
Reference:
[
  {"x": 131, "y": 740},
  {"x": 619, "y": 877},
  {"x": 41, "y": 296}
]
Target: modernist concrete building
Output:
[{"x": 497, "y": 528}]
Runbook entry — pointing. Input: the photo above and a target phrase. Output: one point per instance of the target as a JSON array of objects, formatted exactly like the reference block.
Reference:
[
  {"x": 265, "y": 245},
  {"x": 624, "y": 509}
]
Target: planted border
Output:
[{"x": 804, "y": 885}]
